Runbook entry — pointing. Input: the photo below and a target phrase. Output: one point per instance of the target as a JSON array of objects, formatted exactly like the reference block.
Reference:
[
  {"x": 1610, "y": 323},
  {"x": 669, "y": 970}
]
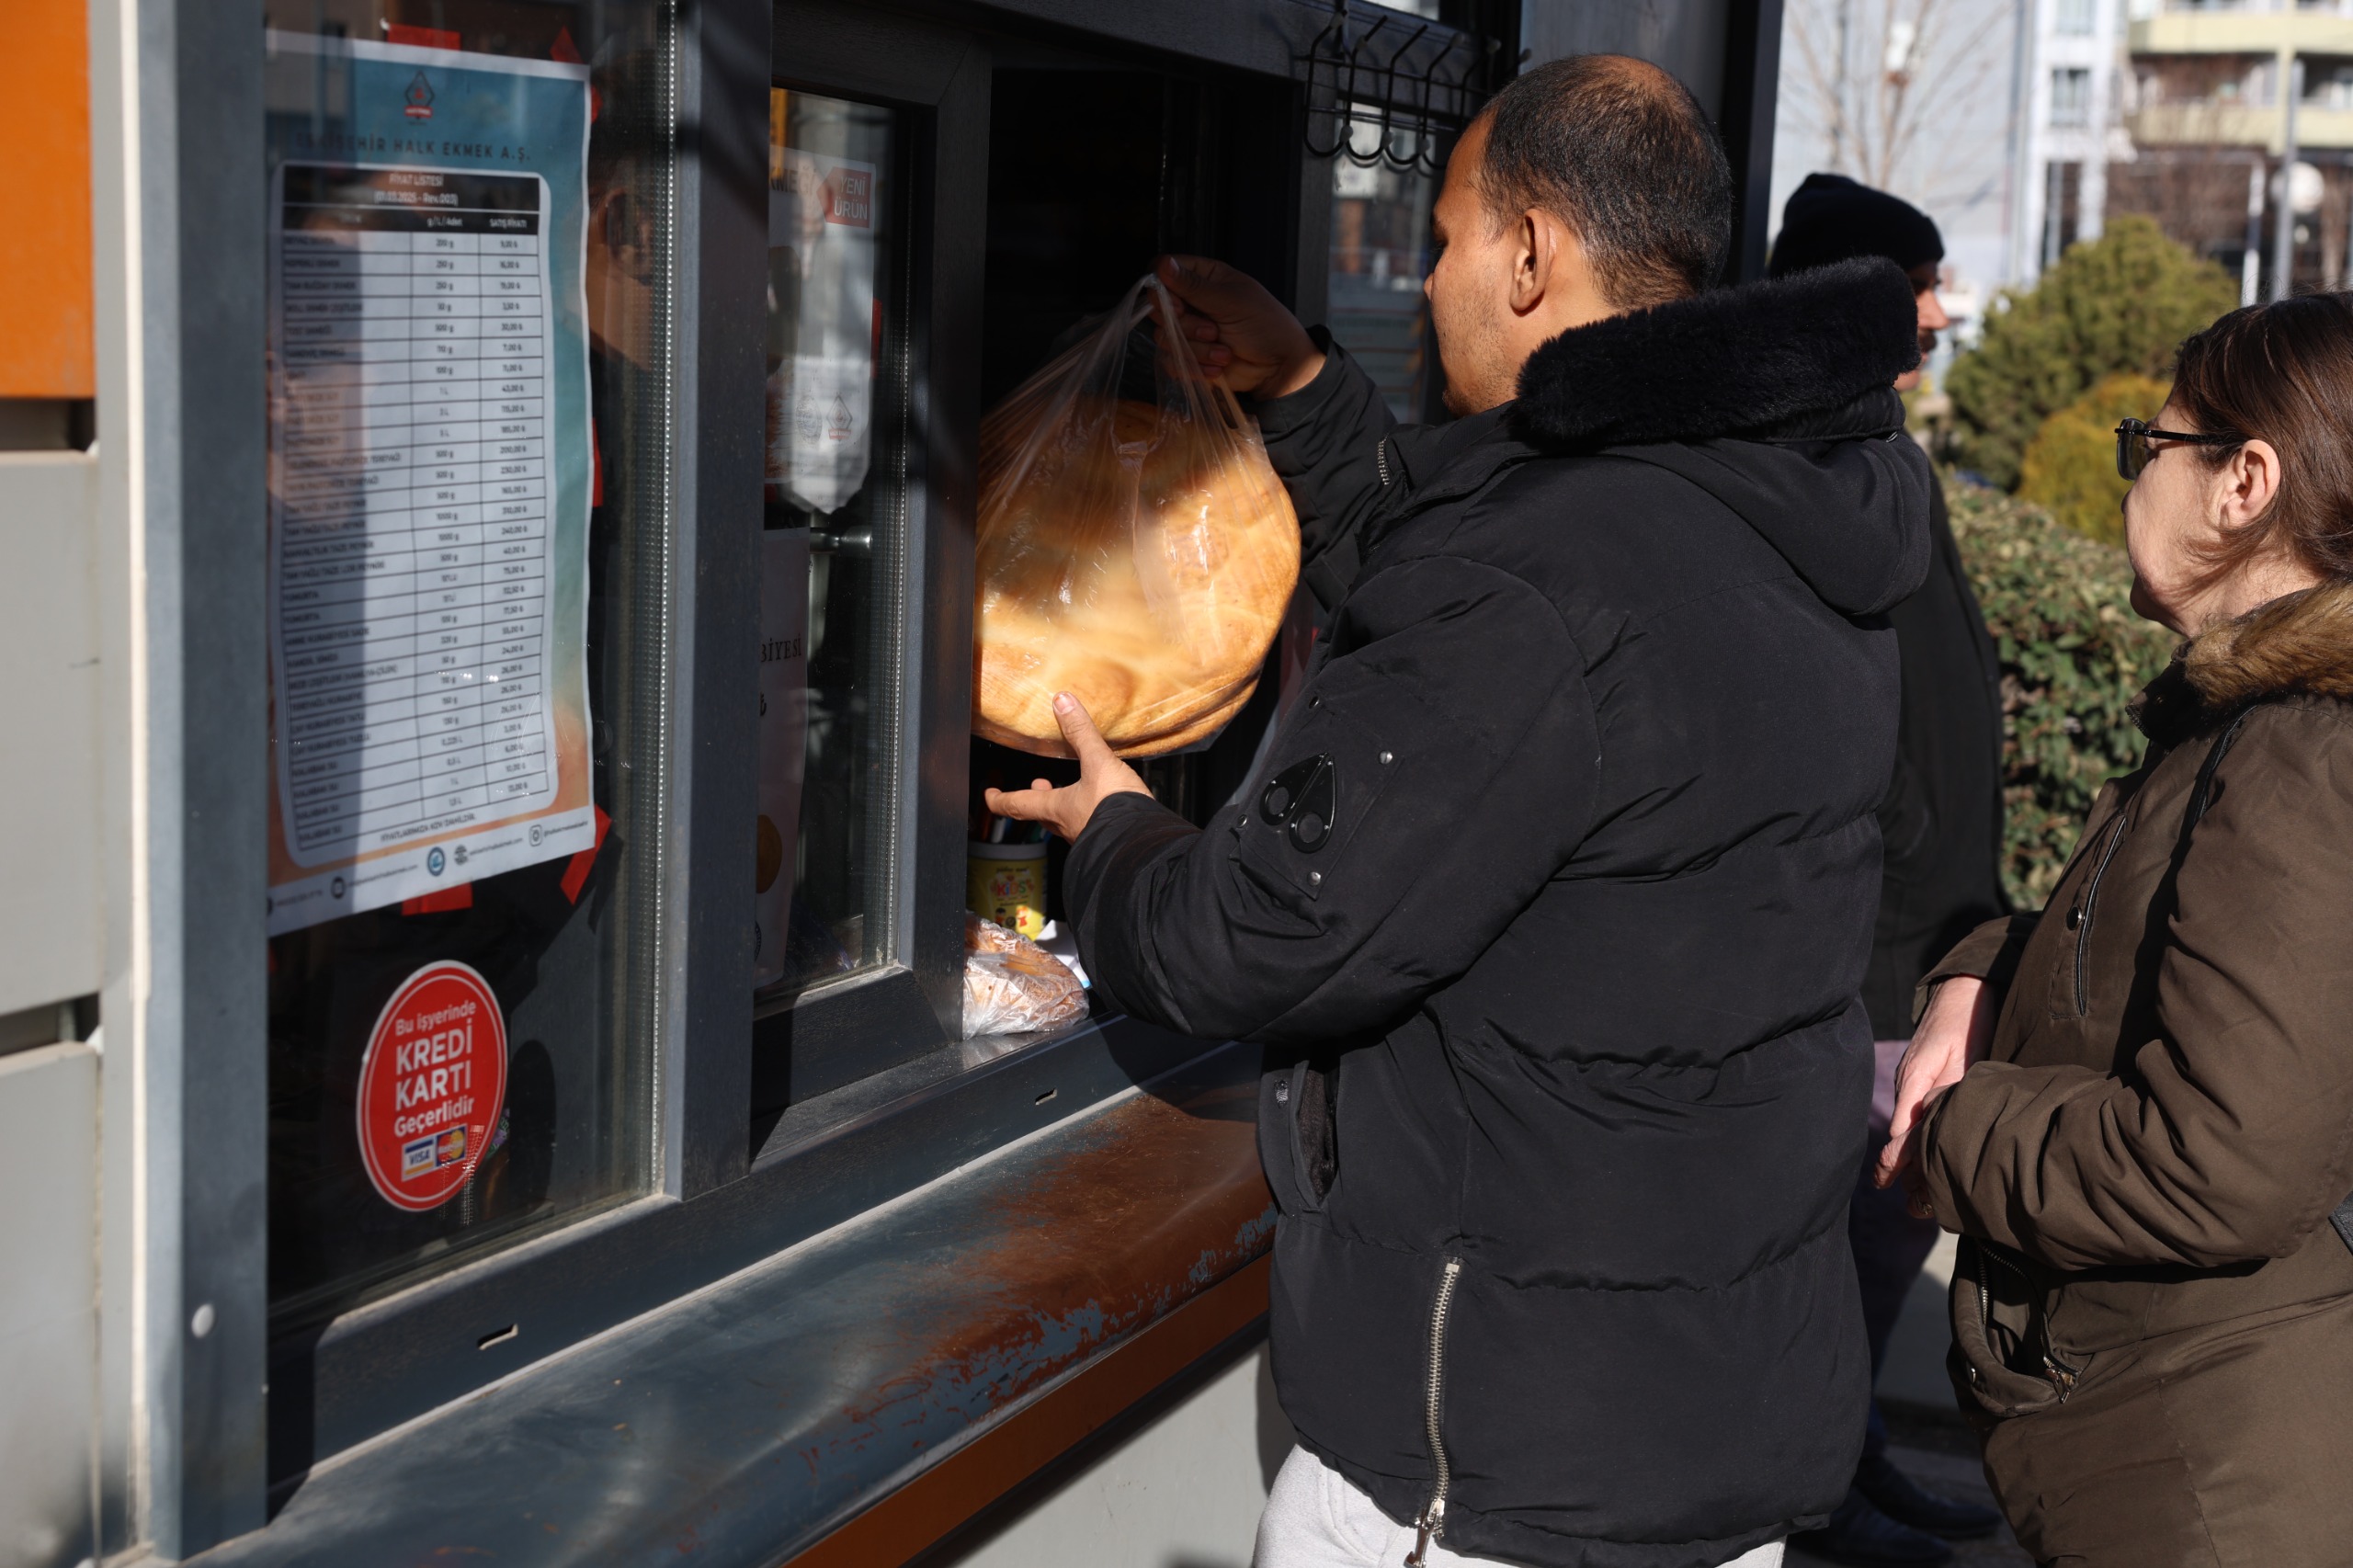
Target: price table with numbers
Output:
[{"x": 411, "y": 487}]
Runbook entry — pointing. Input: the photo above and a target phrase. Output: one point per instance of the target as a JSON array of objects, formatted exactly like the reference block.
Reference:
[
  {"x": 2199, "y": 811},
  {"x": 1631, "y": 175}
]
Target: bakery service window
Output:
[
  {"x": 926, "y": 585},
  {"x": 1175, "y": 160}
]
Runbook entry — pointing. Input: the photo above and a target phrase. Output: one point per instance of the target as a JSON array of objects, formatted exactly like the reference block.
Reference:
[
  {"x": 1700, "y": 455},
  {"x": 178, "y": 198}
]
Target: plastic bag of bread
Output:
[
  {"x": 1014, "y": 986},
  {"x": 1135, "y": 548}
]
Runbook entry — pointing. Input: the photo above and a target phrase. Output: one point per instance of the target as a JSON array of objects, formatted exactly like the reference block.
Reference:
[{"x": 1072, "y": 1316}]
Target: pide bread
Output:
[{"x": 1138, "y": 555}]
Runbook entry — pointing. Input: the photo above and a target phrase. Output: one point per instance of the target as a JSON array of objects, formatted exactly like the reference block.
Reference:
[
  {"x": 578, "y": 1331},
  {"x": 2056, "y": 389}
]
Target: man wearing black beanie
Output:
[
  {"x": 1831, "y": 217},
  {"x": 1941, "y": 829}
]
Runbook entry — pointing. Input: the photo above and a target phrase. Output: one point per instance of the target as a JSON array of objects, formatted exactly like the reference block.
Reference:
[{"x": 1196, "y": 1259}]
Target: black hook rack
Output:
[{"x": 1394, "y": 76}]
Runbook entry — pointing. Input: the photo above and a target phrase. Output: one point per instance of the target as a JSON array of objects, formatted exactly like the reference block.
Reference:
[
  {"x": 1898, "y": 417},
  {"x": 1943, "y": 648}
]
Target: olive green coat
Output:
[{"x": 2153, "y": 1313}]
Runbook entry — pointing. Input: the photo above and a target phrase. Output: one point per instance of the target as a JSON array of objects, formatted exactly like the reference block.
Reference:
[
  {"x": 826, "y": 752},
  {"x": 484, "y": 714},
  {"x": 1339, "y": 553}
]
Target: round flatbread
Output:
[{"x": 1141, "y": 559}]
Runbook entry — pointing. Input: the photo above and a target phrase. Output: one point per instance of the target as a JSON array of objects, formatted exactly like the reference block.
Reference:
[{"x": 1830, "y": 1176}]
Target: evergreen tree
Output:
[
  {"x": 2122, "y": 302},
  {"x": 2070, "y": 467},
  {"x": 2072, "y": 655}
]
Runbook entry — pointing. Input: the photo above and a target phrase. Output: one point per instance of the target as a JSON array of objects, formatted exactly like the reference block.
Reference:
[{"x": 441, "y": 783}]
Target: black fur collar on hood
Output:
[{"x": 1758, "y": 359}]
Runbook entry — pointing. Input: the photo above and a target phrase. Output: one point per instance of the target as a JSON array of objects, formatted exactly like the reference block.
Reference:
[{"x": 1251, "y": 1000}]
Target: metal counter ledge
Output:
[{"x": 857, "y": 1397}]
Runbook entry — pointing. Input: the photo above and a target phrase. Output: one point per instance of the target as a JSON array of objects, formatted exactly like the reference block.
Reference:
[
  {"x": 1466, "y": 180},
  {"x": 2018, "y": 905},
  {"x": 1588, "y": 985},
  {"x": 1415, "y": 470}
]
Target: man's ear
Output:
[
  {"x": 1534, "y": 254},
  {"x": 2250, "y": 484}
]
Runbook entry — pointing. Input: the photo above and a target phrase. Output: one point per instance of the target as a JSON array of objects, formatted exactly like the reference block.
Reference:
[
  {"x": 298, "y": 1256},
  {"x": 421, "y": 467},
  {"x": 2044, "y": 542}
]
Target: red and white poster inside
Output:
[{"x": 431, "y": 1085}]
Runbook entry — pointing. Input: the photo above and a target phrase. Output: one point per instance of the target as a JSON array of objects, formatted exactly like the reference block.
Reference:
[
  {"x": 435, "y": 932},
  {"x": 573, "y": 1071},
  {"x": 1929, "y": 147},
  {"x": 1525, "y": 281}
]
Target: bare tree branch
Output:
[{"x": 1909, "y": 67}]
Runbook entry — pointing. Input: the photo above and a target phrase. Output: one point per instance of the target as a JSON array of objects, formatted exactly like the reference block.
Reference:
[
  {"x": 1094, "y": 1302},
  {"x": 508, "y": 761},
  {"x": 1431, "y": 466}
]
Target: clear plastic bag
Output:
[
  {"x": 1135, "y": 548},
  {"x": 1014, "y": 986}
]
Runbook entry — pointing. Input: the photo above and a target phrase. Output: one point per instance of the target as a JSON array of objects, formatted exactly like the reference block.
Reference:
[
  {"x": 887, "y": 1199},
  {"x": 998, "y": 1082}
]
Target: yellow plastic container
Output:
[{"x": 1006, "y": 883}]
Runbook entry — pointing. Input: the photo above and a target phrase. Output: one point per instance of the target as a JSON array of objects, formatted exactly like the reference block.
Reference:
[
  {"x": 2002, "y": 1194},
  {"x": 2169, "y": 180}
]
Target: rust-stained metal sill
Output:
[{"x": 763, "y": 1415}]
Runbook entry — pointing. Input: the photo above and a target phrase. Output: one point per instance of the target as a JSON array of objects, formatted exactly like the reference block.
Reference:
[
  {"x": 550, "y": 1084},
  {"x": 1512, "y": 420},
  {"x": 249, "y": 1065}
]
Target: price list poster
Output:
[{"x": 429, "y": 471}]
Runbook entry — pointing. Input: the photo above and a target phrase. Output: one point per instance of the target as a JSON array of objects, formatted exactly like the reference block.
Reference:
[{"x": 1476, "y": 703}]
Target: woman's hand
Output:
[
  {"x": 1954, "y": 1032},
  {"x": 1239, "y": 332},
  {"x": 1067, "y": 811}
]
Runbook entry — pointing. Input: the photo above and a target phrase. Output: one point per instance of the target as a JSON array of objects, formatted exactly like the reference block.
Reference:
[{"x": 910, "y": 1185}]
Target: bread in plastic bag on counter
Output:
[
  {"x": 1014, "y": 986},
  {"x": 1134, "y": 546}
]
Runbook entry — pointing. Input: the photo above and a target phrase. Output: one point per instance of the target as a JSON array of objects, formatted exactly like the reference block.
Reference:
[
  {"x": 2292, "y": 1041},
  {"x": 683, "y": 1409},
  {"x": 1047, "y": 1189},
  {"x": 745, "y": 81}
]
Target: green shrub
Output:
[
  {"x": 2070, "y": 467},
  {"x": 2072, "y": 655},
  {"x": 2124, "y": 302}
]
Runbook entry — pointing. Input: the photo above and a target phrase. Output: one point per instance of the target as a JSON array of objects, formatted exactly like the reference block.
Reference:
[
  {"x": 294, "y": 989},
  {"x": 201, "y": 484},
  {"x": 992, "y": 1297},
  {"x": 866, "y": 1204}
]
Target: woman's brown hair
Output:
[{"x": 2281, "y": 373}]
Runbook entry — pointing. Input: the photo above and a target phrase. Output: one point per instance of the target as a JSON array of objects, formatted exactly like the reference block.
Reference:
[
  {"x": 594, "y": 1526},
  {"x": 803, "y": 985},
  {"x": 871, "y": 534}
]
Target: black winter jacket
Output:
[
  {"x": 1552, "y": 903},
  {"x": 1941, "y": 823}
]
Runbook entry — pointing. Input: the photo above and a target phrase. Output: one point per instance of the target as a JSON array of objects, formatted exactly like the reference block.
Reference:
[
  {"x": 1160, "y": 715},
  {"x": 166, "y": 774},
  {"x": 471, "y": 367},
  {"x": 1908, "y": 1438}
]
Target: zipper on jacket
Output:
[
  {"x": 1984, "y": 1300},
  {"x": 1380, "y": 460},
  {"x": 1431, "y": 1525},
  {"x": 2083, "y": 912},
  {"x": 2062, "y": 1376}
]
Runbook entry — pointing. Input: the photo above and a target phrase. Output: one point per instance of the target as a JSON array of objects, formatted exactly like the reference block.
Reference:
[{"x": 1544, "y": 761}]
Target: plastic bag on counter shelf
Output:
[
  {"x": 1014, "y": 986},
  {"x": 1134, "y": 548}
]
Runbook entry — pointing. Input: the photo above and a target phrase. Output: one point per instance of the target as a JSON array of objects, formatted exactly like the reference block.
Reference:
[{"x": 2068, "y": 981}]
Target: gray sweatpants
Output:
[{"x": 1315, "y": 1518}]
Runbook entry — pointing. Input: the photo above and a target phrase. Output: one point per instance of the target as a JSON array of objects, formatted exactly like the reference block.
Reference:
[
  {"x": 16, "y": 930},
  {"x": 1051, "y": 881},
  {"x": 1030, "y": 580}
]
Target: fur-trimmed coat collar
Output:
[
  {"x": 2301, "y": 644},
  {"x": 1761, "y": 359}
]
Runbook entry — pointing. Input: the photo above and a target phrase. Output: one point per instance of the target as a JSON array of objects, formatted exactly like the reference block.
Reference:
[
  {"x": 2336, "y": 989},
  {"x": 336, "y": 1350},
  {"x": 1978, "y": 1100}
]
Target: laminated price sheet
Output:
[{"x": 429, "y": 478}]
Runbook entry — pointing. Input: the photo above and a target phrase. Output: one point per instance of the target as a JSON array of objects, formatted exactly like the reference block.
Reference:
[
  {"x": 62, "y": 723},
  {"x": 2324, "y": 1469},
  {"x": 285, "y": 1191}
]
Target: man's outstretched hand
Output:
[
  {"x": 1067, "y": 811},
  {"x": 1241, "y": 334}
]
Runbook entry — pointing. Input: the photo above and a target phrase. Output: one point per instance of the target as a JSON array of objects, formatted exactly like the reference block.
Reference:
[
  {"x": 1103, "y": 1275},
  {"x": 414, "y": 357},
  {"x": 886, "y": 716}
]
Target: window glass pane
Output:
[
  {"x": 1380, "y": 226},
  {"x": 2070, "y": 93},
  {"x": 832, "y": 645},
  {"x": 469, "y": 276}
]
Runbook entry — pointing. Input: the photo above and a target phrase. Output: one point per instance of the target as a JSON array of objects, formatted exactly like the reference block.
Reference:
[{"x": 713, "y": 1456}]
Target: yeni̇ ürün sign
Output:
[{"x": 431, "y": 1085}]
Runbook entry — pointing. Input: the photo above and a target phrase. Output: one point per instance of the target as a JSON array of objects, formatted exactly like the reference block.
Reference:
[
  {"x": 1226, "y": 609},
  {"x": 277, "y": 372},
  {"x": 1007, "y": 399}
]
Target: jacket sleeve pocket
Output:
[{"x": 1297, "y": 824}]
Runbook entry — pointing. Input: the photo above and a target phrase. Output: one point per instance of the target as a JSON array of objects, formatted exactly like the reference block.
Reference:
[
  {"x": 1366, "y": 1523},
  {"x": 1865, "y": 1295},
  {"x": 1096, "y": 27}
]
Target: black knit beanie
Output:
[{"x": 1830, "y": 217}]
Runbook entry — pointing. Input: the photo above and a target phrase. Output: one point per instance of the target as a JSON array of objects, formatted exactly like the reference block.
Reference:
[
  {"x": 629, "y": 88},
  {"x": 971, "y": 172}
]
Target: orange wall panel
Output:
[{"x": 45, "y": 344}]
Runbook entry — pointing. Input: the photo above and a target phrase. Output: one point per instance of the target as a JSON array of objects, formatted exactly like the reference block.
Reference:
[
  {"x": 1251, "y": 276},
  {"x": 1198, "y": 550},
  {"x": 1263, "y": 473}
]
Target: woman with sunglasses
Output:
[{"x": 2137, "y": 1108}]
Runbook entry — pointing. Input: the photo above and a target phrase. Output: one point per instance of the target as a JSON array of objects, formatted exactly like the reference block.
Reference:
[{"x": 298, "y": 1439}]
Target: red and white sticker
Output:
[{"x": 431, "y": 1085}]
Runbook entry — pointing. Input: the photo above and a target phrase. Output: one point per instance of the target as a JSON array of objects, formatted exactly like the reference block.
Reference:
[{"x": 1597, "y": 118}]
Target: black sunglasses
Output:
[{"x": 2133, "y": 439}]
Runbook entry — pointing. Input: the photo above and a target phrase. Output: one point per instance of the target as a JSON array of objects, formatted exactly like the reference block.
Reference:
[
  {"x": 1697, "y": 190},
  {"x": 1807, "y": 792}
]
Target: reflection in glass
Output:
[
  {"x": 1380, "y": 224},
  {"x": 832, "y": 637}
]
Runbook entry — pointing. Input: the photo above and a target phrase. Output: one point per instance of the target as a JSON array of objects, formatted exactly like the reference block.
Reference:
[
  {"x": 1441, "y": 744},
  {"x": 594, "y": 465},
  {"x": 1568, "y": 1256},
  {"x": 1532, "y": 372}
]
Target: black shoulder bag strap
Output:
[{"x": 2201, "y": 795}]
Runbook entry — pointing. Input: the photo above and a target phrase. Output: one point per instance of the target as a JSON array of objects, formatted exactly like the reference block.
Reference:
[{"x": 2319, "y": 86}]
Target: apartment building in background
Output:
[
  {"x": 2066, "y": 137},
  {"x": 2219, "y": 98}
]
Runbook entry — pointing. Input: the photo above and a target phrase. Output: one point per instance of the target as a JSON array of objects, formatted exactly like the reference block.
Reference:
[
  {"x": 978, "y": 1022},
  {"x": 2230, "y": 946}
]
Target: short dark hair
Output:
[
  {"x": 2282, "y": 373},
  {"x": 1621, "y": 153}
]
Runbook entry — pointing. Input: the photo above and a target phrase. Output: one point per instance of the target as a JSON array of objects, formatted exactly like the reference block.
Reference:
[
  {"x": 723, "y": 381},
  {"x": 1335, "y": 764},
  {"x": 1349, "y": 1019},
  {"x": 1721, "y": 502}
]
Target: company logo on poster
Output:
[
  {"x": 431, "y": 1085},
  {"x": 420, "y": 97}
]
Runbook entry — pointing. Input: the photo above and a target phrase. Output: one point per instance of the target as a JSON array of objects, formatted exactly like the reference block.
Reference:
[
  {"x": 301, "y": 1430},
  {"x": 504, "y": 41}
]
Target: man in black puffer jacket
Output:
[
  {"x": 1553, "y": 897},
  {"x": 1940, "y": 831}
]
